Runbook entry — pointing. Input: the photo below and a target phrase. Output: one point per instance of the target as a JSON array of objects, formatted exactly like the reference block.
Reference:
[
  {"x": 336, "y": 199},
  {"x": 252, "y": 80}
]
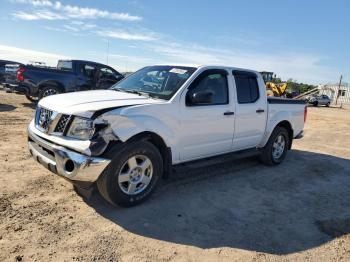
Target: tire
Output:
[
  {"x": 328, "y": 104},
  {"x": 315, "y": 103},
  {"x": 269, "y": 154},
  {"x": 120, "y": 176},
  {"x": 32, "y": 98},
  {"x": 269, "y": 92},
  {"x": 48, "y": 91}
]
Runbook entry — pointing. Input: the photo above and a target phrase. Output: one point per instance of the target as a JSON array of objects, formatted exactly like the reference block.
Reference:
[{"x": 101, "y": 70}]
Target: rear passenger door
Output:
[{"x": 250, "y": 112}]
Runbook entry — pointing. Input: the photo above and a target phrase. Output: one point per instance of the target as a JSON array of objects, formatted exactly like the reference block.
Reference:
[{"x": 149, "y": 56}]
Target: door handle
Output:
[
  {"x": 229, "y": 113},
  {"x": 260, "y": 111}
]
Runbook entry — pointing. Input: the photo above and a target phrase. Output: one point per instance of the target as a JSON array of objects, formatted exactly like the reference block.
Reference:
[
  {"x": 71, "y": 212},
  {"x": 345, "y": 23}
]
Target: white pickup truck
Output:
[{"x": 127, "y": 137}]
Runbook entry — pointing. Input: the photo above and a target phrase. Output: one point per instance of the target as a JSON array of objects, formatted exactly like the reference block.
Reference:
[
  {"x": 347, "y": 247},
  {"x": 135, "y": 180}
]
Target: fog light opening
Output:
[{"x": 69, "y": 166}]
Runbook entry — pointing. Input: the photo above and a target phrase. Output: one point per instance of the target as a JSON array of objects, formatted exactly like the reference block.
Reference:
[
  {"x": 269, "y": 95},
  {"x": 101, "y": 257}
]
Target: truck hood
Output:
[{"x": 86, "y": 103}]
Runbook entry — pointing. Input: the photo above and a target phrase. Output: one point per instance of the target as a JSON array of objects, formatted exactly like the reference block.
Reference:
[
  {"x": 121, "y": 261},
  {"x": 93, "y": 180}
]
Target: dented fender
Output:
[{"x": 123, "y": 125}]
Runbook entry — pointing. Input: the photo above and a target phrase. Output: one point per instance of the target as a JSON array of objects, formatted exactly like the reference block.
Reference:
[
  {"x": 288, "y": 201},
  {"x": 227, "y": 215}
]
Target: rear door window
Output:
[
  {"x": 247, "y": 87},
  {"x": 65, "y": 65}
]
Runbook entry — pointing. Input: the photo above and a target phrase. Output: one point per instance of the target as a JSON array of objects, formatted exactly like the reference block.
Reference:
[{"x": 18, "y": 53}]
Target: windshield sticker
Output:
[{"x": 178, "y": 71}]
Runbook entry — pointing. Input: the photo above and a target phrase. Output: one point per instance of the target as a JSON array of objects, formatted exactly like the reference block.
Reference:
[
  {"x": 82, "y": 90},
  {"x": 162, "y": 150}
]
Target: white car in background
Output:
[{"x": 320, "y": 100}]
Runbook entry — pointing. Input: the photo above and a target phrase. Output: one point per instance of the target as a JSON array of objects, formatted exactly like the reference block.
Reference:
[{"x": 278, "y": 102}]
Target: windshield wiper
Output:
[
  {"x": 119, "y": 89},
  {"x": 140, "y": 93}
]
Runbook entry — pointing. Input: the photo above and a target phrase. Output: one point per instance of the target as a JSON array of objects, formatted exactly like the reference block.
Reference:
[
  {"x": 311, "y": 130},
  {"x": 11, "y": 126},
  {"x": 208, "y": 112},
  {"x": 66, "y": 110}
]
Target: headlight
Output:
[{"x": 81, "y": 128}]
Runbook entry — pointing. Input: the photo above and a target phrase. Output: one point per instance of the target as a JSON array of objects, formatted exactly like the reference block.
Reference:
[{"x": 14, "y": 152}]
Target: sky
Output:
[{"x": 308, "y": 41}]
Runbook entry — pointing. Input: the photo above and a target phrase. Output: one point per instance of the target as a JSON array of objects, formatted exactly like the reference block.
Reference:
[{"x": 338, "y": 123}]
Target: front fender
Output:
[{"x": 126, "y": 126}]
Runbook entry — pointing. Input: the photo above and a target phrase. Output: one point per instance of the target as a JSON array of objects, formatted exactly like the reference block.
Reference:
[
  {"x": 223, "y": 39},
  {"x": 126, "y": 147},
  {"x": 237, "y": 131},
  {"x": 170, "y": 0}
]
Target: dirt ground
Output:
[{"x": 224, "y": 211}]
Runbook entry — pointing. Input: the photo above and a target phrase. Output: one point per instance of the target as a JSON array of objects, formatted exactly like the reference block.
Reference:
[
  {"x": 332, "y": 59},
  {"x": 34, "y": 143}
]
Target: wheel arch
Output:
[
  {"x": 159, "y": 143},
  {"x": 287, "y": 125},
  {"x": 51, "y": 83},
  {"x": 282, "y": 122}
]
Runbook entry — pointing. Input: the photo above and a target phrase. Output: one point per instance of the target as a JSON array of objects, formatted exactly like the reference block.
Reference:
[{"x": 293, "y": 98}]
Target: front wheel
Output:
[
  {"x": 132, "y": 174},
  {"x": 276, "y": 148}
]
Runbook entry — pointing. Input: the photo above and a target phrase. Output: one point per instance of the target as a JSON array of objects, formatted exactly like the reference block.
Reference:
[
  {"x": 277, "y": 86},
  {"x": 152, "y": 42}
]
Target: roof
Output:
[
  {"x": 83, "y": 61},
  {"x": 209, "y": 67}
]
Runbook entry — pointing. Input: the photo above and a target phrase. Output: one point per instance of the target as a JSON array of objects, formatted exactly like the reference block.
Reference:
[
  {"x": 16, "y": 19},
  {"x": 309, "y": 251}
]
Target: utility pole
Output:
[
  {"x": 107, "y": 50},
  {"x": 337, "y": 94}
]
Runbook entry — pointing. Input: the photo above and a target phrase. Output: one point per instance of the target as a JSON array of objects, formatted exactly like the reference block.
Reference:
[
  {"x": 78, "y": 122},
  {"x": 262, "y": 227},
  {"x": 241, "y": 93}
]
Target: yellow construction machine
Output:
[{"x": 273, "y": 88}]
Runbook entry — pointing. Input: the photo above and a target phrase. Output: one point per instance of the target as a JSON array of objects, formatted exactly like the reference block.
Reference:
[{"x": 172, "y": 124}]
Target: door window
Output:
[
  {"x": 106, "y": 72},
  {"x": 247, "y": 88},
  {"x": 88, "y": 71},
  {"x": 214, "y": 81}
]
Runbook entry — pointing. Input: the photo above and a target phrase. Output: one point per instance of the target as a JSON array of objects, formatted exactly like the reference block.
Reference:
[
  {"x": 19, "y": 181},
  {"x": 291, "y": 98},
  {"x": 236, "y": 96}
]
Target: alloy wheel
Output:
[
  {"x": 49, "y": 92},
  {"x": 278, "y": 146},
  {"x": 135, "y": 174}
]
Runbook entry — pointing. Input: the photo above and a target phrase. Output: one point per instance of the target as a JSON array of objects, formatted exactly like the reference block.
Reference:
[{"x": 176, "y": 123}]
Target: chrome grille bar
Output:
[{"x": 49, "y": 121}]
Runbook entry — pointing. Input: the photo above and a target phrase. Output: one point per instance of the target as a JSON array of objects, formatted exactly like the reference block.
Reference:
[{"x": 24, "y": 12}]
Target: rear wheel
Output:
[
  {"x": 315, "y": 103},
  {"x": 49, "y": 91},
  {"x": 269, "y": 92},
  {"x": 276, "y": 148},
  {"x": 33, "y": 99},
  {"x": 132, "y": 174},
  {"x": 328, "y": 104}
]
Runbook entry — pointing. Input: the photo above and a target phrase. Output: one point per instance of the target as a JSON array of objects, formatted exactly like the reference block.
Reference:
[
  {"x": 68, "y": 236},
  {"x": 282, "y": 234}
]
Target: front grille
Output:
[
  {"x": 62, "y": 124},
  {"x": 49, "y": 121},
  {"x": 43, "y": 118}
]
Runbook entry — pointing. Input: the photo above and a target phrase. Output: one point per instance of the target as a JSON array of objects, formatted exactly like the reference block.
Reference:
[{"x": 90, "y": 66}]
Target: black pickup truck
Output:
[{"x": 68, "y": 76}]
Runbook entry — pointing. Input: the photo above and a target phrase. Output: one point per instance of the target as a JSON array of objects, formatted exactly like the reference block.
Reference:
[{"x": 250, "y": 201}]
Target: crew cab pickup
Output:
[
  {"x": 69, "y": 75},
  {"x": 127, "y": 137}
]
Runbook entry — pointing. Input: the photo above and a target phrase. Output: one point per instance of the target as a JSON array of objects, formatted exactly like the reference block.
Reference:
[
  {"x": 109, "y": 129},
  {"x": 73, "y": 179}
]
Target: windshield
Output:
[{"x": 156, "y": 81}]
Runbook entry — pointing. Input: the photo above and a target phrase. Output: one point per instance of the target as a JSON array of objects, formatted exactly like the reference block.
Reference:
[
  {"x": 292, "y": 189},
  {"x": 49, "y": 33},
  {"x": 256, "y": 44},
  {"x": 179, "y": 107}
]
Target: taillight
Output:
[
  {"x": 305, "y": 113},
  {"x": 20, "y": 76}
]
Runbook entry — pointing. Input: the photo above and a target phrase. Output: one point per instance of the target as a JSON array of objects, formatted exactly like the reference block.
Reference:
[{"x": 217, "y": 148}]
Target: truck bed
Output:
[{"x": 278, "y": 100}]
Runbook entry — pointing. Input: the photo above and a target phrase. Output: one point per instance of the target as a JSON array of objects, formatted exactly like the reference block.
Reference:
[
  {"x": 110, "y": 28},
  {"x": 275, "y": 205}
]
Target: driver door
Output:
[
  {"x": 86, "y": 78},
  {"x": 207, "y": 129},
  {"x": 106, "y": 77}
]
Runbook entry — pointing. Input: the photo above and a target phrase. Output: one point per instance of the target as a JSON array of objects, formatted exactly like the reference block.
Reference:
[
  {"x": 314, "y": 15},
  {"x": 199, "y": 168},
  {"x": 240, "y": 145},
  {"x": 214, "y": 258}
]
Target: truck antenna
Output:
[{"x": 107, "y": 50}]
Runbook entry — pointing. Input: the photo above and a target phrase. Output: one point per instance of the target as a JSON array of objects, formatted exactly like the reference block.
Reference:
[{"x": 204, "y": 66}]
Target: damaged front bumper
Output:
[{"x": 64, "y": 162}]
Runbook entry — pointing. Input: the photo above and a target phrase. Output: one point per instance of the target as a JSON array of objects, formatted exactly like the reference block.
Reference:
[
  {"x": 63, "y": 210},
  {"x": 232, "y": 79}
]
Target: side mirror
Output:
[
  {"x": 118, "y": 77},
  {"x": 199, "y": 98},
  {"x": 112, "y": 78}
]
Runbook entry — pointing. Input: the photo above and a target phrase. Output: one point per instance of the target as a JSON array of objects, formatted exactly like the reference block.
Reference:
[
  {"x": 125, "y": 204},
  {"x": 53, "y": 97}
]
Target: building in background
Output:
[{"x": 334, "y": 91}]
